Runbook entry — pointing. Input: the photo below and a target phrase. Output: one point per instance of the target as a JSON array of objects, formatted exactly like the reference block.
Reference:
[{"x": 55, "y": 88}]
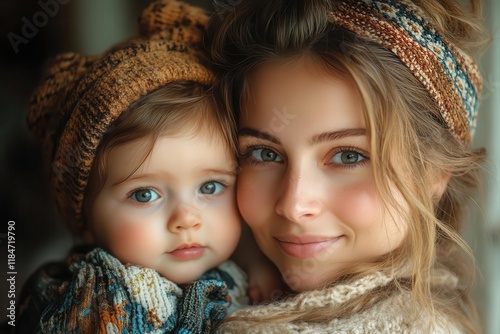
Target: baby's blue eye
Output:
[
  {"x": 211, "y": 188},
  {"x": 347, "y": 157},
  {"x": 265, "y": 154},
  {"x": 144, "y": 196}
]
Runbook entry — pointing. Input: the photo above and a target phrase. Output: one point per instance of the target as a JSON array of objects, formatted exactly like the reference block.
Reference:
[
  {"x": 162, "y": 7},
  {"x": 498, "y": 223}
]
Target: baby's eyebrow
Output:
[
  {"x": 133, "y": 177},
  {"x": 228, "y": 172}
]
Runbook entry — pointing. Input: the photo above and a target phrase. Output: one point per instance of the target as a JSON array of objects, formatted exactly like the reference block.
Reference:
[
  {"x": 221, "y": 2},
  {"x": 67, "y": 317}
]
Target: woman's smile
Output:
[{"x": 306, "y": 246}]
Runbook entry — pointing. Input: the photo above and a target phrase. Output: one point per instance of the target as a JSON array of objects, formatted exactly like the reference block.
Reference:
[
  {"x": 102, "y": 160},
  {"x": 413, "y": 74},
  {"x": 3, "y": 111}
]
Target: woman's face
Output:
[{"x": 306, "y": 188}]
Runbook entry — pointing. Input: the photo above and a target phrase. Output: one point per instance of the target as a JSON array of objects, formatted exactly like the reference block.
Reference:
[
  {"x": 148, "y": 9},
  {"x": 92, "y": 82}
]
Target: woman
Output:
[{"x": 355, "y": 121}]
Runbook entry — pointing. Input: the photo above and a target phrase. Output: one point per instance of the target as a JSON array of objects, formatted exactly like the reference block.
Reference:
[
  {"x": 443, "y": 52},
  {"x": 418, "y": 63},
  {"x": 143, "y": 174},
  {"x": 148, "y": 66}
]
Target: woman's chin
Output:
[{"x": 304, "y": 282}]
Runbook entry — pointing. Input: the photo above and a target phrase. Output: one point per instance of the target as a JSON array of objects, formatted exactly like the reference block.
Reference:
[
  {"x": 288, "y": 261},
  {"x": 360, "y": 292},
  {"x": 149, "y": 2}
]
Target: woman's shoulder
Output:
[
  {"x": 391, "y": 313},
  {"x": 397, "y": 313}
]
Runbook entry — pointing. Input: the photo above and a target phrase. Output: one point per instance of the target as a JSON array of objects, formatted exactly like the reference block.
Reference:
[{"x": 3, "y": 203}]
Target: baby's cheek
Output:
[{"x": 130, "y": 242}]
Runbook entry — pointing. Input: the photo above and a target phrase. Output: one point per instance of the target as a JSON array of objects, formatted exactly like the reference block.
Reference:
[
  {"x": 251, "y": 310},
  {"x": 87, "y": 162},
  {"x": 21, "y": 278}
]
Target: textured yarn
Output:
[
  {"x": 96, "y": 293},
  {"x": 392, "y": 314},
  {"x": 450, "y": 76}
]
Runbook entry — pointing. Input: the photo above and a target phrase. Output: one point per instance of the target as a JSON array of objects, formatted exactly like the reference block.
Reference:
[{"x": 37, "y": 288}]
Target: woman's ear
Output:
[{"x": 440, "y": 184}]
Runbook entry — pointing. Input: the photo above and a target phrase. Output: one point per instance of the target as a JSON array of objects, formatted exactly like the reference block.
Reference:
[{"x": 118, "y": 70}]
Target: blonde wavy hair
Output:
[{"x": 402, "y": 121}]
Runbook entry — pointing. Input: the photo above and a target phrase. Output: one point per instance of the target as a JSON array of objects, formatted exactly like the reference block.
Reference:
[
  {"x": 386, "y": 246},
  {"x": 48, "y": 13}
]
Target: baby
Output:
[{"x": 143, "y": 168}]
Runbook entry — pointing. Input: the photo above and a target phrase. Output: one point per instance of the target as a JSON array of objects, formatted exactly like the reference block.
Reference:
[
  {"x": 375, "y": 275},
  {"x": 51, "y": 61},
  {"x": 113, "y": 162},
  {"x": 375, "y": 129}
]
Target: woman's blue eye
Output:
[
  {"x": 347, "y": 157},
  {"x": 211, "y": 188},
  {"x": 144, "y": 196},
  {"x": 265, "y": 154}
]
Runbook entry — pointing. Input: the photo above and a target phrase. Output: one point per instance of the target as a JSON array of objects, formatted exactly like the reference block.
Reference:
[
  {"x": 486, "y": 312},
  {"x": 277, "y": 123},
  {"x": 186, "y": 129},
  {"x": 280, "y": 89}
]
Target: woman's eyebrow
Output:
[
  {"x": 316, "y": 139},
  {"x": 250, "y": 132},
  {"x": 335, "y": 135}
]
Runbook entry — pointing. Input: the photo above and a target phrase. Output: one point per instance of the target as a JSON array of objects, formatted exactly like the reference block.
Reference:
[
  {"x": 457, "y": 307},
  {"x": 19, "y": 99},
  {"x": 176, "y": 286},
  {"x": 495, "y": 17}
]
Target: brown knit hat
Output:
[{"x": 80, "y": 97}]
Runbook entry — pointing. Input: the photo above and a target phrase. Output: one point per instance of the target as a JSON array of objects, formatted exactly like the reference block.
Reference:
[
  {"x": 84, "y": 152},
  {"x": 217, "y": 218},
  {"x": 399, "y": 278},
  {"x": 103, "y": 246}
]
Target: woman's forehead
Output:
[{"x": 293, "y": 93}]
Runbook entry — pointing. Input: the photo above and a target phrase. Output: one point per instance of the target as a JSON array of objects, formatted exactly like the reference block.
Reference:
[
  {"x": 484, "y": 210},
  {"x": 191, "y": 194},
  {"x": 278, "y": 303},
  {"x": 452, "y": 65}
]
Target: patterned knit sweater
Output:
[
  {"x": 96, "y": 293},
  {"x": 390, "y": 315}
]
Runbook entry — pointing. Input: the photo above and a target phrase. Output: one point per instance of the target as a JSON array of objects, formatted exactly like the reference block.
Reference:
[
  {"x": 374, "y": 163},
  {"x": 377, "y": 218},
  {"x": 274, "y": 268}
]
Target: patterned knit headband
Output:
[
  {"x": 79, "y": 98},
  {"x": 449, "y": 75}
]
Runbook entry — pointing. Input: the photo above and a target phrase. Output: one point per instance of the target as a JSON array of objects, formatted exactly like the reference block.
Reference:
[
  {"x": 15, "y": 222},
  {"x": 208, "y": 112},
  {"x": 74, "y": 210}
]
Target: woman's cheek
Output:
[
  {"x": 358, "y": 205},
  {"x": 253, "y": 198}
]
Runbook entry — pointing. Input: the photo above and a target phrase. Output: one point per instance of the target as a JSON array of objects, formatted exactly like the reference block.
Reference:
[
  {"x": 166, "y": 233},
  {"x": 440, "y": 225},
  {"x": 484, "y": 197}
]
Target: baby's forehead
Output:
[
  {"x": 189, "y": 153},
  {"x": 207, "y": 132}
]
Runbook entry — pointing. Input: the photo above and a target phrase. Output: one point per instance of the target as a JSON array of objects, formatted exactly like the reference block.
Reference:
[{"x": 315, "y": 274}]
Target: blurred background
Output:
[{"x": 33, "y": 30}]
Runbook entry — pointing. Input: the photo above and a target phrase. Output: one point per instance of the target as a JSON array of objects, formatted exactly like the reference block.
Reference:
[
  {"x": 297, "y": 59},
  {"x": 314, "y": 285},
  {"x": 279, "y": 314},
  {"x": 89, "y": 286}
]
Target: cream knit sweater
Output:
[{"x": 390, "y": 315}]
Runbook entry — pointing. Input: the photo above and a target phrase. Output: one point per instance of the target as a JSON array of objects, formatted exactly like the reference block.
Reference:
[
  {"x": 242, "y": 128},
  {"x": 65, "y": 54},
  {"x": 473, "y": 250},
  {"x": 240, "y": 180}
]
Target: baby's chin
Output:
[
  {"x": 182, "y": 277},
  {"x": 186, "y": 274}
]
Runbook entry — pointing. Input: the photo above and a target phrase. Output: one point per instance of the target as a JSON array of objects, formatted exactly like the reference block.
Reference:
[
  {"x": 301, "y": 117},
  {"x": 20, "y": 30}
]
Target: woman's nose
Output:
[
  {"x": 299, "y": 200},
  {"x": 184, "y": 217}
]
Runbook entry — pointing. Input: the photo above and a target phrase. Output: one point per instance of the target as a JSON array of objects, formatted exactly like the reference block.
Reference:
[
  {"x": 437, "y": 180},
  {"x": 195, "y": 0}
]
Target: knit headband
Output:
[
  {"x": 80, "y": 97},
  {"x": 449, "y": 75}
]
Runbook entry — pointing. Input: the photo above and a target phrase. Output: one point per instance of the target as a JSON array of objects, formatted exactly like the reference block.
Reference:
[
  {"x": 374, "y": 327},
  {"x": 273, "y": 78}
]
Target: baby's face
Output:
[{"x": 176, "y": 213}]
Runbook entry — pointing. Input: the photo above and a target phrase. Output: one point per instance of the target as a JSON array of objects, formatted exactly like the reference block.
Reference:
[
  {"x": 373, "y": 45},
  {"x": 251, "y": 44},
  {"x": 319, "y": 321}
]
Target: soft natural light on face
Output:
[
  {"x": 306, "y": 188},
  {"x": 176, "y": 213}
]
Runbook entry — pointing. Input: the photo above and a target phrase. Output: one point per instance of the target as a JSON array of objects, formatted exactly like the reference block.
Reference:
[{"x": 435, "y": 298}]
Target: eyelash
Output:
[
  {"x": 130, "y": 193},
  {"x": 224, "y": 184},
  {"x": 246, "y": 154},
  {"x": 338, "y": 150}
]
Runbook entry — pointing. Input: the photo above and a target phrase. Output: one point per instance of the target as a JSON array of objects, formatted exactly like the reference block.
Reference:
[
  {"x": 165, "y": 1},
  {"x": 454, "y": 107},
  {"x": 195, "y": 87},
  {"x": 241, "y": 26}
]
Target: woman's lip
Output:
[
  {"x": 306, "y": 246},
  {"x": 304, "y": 239},
  {"x": 188, "y": 252}
]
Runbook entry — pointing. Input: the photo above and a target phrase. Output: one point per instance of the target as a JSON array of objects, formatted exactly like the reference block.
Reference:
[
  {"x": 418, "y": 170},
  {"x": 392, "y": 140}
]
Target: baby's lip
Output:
[
  {"x": 184, "y": 246},
  {"x": 188, "y": 252}
]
